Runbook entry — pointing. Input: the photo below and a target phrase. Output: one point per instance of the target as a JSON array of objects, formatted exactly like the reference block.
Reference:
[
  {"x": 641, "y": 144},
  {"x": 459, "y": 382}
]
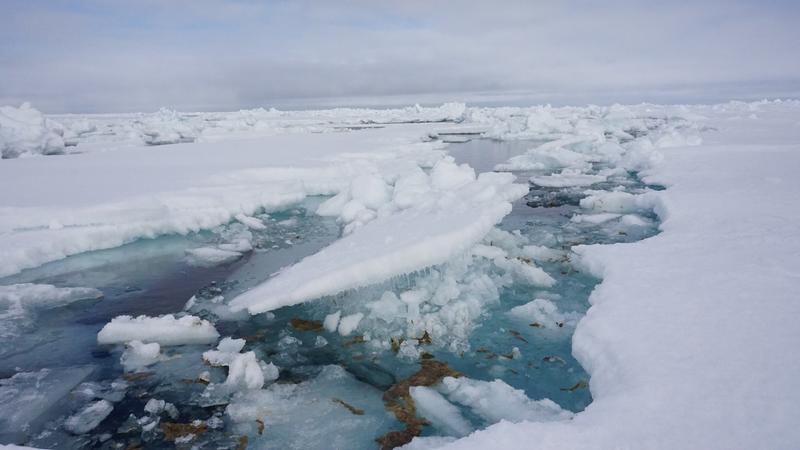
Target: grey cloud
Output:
[{"x": 125, "y": 56}]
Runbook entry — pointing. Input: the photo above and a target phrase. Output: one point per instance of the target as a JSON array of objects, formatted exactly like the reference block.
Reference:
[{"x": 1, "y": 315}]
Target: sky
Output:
[{"x": 126, "y": 55}]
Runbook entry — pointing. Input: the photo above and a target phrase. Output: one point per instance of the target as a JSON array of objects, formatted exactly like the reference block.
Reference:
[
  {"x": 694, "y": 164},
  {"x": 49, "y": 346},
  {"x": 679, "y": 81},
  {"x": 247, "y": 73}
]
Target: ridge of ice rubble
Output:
[
  {"x": 163, "y": 330},
  {"x": 451, "y": 211},
  {"x": 24, "y": 131}
]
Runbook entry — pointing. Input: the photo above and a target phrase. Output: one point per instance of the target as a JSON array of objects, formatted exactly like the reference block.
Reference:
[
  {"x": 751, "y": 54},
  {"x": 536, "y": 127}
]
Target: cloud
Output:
[{"x": 126, "y": 55}]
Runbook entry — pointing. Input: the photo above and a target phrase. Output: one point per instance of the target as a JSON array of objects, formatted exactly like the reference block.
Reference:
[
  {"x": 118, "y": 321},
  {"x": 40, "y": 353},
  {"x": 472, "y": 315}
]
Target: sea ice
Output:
[
  {"x": 164, "y": 330},
  {"x": 25, "y": 131},
  {"x": 138, "y": 355},
  {"x": 431, "y": 405}
]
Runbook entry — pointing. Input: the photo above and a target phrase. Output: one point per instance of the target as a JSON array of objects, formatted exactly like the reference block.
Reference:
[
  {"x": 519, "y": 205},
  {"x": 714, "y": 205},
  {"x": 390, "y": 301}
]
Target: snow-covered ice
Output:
[
  {"x": 687, "y": 341},
  {"x": 164, "y": 330}
]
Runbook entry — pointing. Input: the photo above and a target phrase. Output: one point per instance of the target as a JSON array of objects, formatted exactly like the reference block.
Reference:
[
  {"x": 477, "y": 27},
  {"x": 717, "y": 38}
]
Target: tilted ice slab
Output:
[
  {"x": 690, "y": 335},
  {"x": 421, "y": 236}
]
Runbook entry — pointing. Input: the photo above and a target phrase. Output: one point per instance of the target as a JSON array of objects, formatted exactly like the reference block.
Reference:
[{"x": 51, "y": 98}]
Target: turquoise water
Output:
[{"x": 152, "y": 277}]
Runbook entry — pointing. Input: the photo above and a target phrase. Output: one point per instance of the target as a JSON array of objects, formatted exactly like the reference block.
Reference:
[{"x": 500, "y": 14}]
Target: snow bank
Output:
[
  {"x": 164, "y": 330},
  {"x": 686, "y": 341},
  {"x": 25, "y": 131}
]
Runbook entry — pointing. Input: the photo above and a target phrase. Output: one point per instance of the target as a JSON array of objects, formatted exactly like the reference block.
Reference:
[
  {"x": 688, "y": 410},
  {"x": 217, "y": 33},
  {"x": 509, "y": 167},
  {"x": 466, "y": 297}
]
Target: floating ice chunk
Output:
[
  {"x": 542, "y": 253},
  {"x": 271, "y": 371},
  {"x": 251, "y": 222},
  {"x": 245, "y": 371},
  {"x": 138, "y": 355},
  {"x": 445, "y": 416},
  {"x": 595, "y": 219},
  {"x": 348, "y": 324},
  {"x": 331, "y": 322},
  {"x": 567, "y": 178},
  {"x": 320, "y": 342},
  {"x": 618, "y": 202},
  {"x": 25, "y": 131},
  {"x": 88, "y": 418},
  {"x": 495, "y": 401},
  {"x": 226, "y": 350},
  {"x": 155, "y": 407},
  {"x": 544, "y": 312},
  {"x": 210, "y": 256},
  {"x": 165, "y": 330}
]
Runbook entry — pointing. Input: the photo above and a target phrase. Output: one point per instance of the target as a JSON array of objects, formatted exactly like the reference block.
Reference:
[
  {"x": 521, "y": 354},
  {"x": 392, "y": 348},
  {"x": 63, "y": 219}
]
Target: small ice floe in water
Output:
[
  {"x": 245, "y": 371},
  {"x": 164, "y": 330},
  {"x": 138, "y": 355},
  {"x": 594, "y": 219},
  {"x": 567, "y": 178},
  {"x": 543, "y": 313},
  {"x": 618, "y": 201},
  {"x": 89, "y": 417},
  {"x": 155, "y": 407}
]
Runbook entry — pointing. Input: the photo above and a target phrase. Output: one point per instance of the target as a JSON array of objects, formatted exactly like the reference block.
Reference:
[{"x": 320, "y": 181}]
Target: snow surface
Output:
[{"x": 689, "y": 338}]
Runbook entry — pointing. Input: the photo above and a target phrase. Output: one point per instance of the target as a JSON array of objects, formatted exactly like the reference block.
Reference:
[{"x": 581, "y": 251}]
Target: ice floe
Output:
[{"x": 164, "y": 330}]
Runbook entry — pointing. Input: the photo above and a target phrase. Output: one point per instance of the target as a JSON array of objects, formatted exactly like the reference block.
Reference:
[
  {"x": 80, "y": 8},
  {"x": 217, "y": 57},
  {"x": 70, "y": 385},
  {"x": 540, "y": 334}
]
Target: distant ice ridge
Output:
[
  {"x": 24, "y": 131},
  {"x": 167, "y": 126}
]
